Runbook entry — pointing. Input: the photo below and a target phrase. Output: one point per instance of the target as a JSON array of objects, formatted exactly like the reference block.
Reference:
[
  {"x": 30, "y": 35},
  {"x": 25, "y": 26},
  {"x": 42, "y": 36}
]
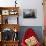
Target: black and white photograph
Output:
[{"x": 29, "y": 13}]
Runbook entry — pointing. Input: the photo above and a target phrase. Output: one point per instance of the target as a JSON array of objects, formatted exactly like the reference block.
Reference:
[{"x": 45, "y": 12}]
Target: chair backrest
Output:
[{"x": 29, "y": 32}]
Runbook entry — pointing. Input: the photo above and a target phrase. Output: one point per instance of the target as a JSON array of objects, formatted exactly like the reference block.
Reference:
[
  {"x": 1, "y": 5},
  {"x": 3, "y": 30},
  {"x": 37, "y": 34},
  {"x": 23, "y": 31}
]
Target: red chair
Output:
[{"x": 29, "y": 33}]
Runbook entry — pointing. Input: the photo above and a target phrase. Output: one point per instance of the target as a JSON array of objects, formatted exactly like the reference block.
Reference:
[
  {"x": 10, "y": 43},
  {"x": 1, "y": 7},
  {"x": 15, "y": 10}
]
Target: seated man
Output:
[{"x": 30, "y": 38}]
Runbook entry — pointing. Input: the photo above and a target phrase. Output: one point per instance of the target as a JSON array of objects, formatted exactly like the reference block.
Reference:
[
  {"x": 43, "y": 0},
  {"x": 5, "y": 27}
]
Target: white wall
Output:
[
  {"x": 27, "y": 4},
  {"x": 7, "y": 3},
  {"x": 32, "y": 4}
]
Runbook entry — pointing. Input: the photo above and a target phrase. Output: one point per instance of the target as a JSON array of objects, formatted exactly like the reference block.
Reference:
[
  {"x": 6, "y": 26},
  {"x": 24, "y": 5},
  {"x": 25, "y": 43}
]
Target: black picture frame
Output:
[{"x": 29, "y": 13}]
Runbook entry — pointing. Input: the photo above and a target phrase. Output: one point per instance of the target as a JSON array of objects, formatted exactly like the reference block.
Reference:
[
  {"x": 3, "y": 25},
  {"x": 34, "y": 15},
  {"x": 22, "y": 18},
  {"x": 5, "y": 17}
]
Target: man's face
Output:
[{"x": 31, "y": 41}]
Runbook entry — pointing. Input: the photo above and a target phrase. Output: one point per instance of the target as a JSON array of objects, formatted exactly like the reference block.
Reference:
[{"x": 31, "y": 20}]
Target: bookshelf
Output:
[{"x": 9, "y": 23}]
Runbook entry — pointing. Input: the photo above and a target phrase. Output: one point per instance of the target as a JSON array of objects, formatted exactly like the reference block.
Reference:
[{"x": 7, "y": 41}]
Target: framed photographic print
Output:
[
  {"x": 13, "y": 12},
  {"x": 5, "y": 12},
  {"x": 29, "y": 13}
]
